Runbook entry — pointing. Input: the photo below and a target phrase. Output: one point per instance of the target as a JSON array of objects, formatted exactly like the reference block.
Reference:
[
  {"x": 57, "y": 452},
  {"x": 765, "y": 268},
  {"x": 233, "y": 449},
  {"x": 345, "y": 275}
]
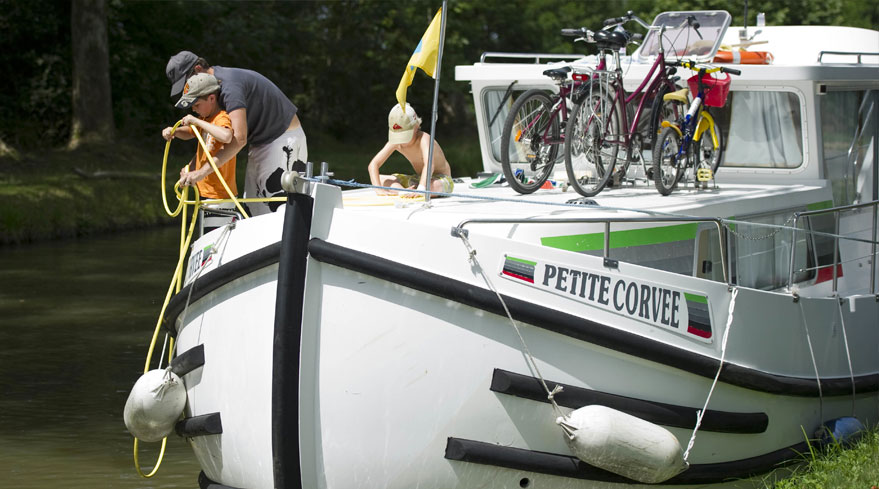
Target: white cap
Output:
[{"x": 401, "y": 124}]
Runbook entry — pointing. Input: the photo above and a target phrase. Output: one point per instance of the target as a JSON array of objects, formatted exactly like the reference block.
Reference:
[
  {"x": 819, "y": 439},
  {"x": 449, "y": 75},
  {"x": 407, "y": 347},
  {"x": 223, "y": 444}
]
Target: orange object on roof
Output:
[{"x": 744, "y": 57}]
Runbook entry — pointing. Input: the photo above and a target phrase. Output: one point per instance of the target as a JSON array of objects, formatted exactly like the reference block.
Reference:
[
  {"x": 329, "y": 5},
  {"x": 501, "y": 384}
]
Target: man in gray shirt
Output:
[{"x": 261, "y": 115}]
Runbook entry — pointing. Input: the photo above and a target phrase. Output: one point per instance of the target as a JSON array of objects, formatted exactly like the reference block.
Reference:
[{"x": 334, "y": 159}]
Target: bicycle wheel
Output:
[
  {"x": 668, "y": 167},
  {"x": 592, "y": 141},
  {"x": 705, "y": 151},
  {"x": 527, "y": 155},
  {"x": 664, "y": 110}
]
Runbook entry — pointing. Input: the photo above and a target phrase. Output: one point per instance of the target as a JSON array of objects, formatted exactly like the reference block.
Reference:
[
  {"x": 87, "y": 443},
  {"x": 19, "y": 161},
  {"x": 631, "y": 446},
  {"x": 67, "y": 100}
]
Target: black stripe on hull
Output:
[
  {"x": 582, "y": 328},
  {"x": 203, "y": 425},
  {"x": 286, "y": 340},
  {"x": 188, "y": 361},
  {"x": 483, "y": 453},
  {"x": 574, "y": 397},
  {"x": 217, "y": 278}
]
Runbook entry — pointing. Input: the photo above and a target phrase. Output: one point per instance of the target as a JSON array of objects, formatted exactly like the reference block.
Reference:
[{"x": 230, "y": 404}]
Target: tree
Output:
[{"x": 92, "y": 106}]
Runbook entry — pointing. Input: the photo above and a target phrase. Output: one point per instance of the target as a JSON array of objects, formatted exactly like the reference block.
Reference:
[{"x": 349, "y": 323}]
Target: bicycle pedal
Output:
[{"x": 704, "y": 174}]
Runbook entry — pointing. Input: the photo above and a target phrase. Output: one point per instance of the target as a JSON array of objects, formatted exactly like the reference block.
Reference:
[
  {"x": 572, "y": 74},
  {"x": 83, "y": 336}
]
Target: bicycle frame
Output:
[
  {"x": 623, "y": 101},
  {"x": 560, "y": 107}
]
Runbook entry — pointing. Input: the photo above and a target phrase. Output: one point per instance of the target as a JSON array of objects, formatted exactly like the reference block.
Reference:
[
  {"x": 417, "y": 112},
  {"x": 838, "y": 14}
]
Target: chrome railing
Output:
[
  {"x": 724, "y": 251},
  {"x": 836, "y": 211},
  {"x": 536, "y": 57}
]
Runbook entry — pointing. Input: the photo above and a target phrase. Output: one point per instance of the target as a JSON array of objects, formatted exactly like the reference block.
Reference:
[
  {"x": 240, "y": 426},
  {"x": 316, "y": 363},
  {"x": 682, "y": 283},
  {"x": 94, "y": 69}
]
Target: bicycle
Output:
[
  {"x": 601, "y": 127},
  {"x": 681, "y": 146},
  {"x": 534, "y": 127}
]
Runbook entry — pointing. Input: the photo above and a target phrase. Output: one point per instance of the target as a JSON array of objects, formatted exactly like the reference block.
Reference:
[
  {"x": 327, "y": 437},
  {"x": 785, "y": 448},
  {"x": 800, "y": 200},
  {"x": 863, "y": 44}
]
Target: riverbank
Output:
[{"x": 59, "y": 193}]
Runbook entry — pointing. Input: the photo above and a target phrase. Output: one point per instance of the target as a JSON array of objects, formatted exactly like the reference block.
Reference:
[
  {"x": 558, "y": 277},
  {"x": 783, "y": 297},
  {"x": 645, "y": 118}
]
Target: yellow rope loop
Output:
[
  {"x": 158, "y": 461},
  {"x": 165, "y": 171}
]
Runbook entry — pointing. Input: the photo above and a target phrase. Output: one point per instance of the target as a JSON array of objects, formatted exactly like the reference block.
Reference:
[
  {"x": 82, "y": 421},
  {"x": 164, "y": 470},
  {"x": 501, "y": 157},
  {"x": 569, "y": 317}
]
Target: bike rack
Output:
[{"x": 536, "y": 57}]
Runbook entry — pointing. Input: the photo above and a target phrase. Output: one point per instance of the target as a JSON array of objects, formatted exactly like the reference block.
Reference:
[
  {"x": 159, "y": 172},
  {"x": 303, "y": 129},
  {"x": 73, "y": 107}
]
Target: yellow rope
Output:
[{"x": 177, "y": 277}]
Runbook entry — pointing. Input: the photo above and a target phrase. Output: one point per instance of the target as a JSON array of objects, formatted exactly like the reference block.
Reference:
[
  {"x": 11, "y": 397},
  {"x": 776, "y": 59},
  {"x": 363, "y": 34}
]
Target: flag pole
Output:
[{"x": 439, "y": 60}]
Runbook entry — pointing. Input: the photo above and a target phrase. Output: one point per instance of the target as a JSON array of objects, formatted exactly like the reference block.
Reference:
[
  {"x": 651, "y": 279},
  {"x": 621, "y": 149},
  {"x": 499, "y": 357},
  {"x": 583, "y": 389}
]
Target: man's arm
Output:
[{"x": 239, "y": 137}]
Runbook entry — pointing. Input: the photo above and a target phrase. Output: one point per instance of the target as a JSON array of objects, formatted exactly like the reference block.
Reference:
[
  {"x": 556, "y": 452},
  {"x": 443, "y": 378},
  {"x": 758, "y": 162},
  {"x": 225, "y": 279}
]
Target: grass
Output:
[
  {"x": 856, "y": 467},
  {"x": 42, "y": 197}
]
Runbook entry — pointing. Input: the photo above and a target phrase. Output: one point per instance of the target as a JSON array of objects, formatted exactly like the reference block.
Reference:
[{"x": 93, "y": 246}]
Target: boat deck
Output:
[{"x": 639, "y": 200}]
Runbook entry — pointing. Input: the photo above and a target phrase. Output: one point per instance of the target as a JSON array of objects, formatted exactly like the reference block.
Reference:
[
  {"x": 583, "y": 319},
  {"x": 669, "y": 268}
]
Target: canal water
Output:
[{"x": 76, "y": 318}]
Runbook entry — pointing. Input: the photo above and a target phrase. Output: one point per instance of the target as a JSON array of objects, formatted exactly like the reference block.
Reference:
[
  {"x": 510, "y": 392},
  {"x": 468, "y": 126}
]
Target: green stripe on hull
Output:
[
  {"x": 696, "y": 298},
  {"x": 623, "y": 239},
  {"x": 520, "y": 260},
  {"x": 817, "y": 206}
]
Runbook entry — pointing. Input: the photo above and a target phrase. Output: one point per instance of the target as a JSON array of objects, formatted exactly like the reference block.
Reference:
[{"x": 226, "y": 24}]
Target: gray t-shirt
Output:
[{"x": 269, "y": 111}]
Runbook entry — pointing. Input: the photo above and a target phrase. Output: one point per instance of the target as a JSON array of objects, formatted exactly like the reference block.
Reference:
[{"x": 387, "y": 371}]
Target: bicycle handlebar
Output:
[
  {"x": 580, "y": 32},
  {"x": 630, "y": 15},
  {"x": 692, "y": 66}
]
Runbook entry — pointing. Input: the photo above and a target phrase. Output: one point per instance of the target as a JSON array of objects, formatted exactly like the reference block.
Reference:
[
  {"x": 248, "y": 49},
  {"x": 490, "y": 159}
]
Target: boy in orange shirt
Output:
[{"x": 200, "y": 93}]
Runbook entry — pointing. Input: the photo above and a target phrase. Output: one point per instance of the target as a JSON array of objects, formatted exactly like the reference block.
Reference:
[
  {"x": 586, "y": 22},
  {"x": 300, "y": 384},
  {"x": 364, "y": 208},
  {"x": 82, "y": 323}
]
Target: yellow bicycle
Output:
[{"x": 681, "y": 144}]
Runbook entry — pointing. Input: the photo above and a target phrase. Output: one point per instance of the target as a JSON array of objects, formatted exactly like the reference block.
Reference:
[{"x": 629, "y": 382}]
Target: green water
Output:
[{"x": 76, "y": 318}]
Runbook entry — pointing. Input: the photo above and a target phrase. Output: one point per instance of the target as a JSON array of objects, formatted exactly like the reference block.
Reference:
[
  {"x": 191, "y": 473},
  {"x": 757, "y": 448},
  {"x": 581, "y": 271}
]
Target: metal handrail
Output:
[
  {"x": 535, "y": 56},
  {"x": 836, "y": 211},
  {"x": 718, "y": 222},
  {"x": 859, "y": 54}
]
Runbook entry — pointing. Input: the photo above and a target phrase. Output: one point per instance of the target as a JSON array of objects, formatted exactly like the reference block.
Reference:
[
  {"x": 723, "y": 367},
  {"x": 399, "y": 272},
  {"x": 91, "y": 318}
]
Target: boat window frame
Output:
[
  {"x": 487, "y": 113},
  {"x": 805, "y": 118}
]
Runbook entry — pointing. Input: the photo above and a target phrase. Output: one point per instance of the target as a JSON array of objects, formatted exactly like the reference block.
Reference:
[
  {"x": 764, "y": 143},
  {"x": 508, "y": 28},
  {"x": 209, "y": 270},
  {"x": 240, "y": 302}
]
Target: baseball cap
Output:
[
  {"x": 178, "y": 67},
  {"x": 401, "y": 124},
  {"x": 198, "y": 85}
]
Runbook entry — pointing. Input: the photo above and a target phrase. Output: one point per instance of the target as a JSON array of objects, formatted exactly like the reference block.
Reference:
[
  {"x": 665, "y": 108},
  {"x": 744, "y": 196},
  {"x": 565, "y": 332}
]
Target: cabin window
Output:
[
  {"x": 497, "y": 103},
  {"x": 709, "y": 258},
  {"x": 848, "y": 127},
  {"x": 763, "y": 129}
]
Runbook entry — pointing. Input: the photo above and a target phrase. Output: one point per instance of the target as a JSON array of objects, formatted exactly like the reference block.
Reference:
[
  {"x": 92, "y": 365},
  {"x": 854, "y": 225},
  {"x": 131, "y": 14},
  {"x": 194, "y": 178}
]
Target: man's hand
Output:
[{"x": 167, "y": 133}]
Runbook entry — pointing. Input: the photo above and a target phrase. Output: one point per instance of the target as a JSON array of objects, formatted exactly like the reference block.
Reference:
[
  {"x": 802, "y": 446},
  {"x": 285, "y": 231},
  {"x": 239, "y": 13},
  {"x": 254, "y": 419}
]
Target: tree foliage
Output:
[{"x": 339, "y": 61}]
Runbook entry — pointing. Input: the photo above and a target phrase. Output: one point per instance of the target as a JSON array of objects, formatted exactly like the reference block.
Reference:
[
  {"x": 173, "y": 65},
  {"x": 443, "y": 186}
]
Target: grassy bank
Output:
[
  {"x": 837, "y": 468},
  {"x": 60, "y": 193}
]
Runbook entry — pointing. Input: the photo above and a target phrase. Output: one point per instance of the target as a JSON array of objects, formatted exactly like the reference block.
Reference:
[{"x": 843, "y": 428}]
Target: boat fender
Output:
[
  {"x": 623, "y": 444},
  {"x": 154, "y": 405},
  {"x": 846, "y": 431}
]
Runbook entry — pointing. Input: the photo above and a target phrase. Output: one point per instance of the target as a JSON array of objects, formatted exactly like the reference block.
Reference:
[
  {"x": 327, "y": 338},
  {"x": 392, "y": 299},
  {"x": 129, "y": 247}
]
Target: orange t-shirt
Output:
[{"x": 210, "y": 187}]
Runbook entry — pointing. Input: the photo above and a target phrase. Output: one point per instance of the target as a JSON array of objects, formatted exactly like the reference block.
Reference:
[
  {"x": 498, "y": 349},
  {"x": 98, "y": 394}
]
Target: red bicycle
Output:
[{"x": 599, "y": 126}]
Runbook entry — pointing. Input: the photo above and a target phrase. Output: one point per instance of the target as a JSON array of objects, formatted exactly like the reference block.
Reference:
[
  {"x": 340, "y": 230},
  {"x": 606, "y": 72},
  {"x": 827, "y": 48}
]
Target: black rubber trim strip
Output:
[
  {"x": 188, "y": 361},
  {"x": 289, "y": 301},
  {"x": 203, "y": 425},
  {"x": 205, "y": 483},
  {"x": 217, "y": 278},
  {"x": 483, "y": 453},
  {"x": 582, "y": 328},
  {"x": 528, "y": 387}
]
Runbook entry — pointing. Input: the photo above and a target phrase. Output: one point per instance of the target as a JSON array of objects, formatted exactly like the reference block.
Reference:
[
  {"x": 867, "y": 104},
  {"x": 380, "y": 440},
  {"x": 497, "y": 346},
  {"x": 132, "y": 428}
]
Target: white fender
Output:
[
  {"x": 154, "y": 405},
  {"x": 623, "y": 444}
]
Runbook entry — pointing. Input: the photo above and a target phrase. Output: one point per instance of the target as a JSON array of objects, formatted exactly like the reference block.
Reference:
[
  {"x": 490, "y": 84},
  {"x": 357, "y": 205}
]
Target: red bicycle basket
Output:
[{"x": 716, "y": 89}]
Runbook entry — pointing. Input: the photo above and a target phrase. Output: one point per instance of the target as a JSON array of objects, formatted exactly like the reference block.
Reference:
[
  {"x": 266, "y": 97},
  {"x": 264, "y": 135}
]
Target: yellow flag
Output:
[{"x": 423, "y": 57}]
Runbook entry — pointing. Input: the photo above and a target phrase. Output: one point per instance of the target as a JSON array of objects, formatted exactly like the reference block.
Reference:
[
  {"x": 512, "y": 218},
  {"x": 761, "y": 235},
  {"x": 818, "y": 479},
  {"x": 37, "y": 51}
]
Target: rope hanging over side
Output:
[
  {"x": 550, "y": 393},
  {"x": 701, "y": 413}
]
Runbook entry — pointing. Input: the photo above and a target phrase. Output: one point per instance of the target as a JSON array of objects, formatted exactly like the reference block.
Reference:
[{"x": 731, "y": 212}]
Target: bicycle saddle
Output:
[
  {"x": 558, "y": 73},
  {"x": 612, "y": 39}
]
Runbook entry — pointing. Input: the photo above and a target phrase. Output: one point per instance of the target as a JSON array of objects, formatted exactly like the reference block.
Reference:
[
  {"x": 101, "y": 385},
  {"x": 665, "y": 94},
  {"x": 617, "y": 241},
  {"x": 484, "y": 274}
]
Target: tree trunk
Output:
[{"x": 92, "y": 105}]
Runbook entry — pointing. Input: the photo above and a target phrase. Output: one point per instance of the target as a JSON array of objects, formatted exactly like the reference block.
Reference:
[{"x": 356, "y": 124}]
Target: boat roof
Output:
[
  {"x": 799, "y": 53},
  {"x": 640, "y": 200}
]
